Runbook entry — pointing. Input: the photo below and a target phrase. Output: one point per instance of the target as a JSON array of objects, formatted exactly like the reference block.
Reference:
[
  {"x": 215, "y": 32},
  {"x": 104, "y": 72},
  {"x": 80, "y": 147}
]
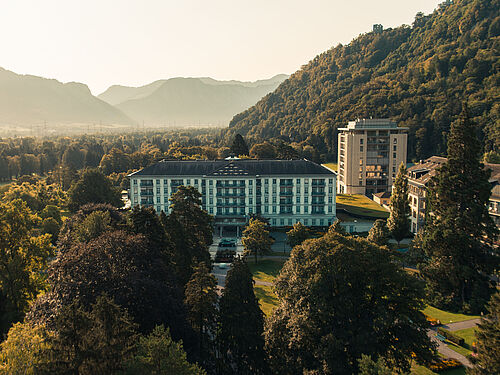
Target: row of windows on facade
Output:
[
  {"x": 241, "y": 191},
  {"x": 287, "y": 181},
  {"x": 315, "y": 209}
]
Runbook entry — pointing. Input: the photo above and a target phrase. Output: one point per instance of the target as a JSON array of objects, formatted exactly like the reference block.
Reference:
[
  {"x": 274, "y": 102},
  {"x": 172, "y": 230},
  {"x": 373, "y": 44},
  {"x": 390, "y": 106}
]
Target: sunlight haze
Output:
[{"x": 131, "y": 42}]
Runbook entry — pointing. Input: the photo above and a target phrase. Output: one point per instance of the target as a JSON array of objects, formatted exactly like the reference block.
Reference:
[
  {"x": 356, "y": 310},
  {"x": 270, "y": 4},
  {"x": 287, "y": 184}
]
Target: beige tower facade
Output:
[{"x": 369, "y": 154}]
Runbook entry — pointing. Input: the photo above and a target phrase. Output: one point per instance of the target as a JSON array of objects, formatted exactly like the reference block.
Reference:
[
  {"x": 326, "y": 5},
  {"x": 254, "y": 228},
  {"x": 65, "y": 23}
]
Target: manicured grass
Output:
[
  {"x": 459, "y": 349},
  {"x": 361, "y": 205},
  {"x": 446, "y": 317},
  {"x": 265, "y": 270},
  {"x": 332, "y": 166},
  {"x": 421, "y": 370},
  {"x": 467, "y": 335},
  {"x": 267, "y": 299}
]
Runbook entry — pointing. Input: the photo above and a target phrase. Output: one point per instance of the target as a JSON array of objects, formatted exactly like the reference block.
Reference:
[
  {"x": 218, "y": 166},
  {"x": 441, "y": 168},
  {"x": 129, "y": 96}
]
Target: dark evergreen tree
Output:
[
  {"x": 239, "y": 146},
  {"x": 457, "y": 237},
  {"x": 256, "y": 239},
  {"x": 189, "y": 229},
  {"x": 341, "y": 297},
  {"x": 488, "y": 341},
  {"x": 240, "y": 333},
  {"x": 379, "y": 234},
  {"x": 93, "y": 187},
  {"x": 88, "y": 342},
  {"x": 201, "y": 300},
  {"x": 399, "y": 219}
]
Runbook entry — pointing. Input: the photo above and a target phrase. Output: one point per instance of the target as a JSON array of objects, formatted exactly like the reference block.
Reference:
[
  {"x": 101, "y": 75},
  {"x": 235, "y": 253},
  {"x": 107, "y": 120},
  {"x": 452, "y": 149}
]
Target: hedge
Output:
[{"x": 450, "y": 336}]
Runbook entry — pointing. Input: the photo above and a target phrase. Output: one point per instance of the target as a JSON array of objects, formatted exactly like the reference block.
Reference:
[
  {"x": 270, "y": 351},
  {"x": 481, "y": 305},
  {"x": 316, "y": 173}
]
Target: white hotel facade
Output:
[{"x": 284, "y": 192}]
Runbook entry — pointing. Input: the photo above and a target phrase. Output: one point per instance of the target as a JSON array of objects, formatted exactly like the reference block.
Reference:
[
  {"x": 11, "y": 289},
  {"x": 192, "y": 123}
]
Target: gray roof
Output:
[{"x": 235, "y": 167}]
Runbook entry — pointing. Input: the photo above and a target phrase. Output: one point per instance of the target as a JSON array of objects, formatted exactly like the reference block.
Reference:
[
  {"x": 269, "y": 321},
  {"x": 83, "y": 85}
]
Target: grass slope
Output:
[
  {"x": 358, "y": 204},
  {"x": 446, "y": 317}
]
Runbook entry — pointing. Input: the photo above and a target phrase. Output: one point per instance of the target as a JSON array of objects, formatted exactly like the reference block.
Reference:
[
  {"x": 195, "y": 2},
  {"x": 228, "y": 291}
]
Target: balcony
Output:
[
  {"x": 230, "y": 194},
  {"x": 286, "y": 193},
  {"x": 147, "y": 192},
  {"x": 230, "y": 185}
]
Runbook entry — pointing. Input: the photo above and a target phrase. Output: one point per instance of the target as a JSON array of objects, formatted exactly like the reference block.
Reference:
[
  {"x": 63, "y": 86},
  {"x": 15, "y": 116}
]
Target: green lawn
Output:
[
  {"x": 467, "y": 335},
  {"x": 267, "y": 299},
  {"x": 421, "y": 370},
  {"x": 361, "y": 205},
  {"x": 446, "y": 317},
  {"x": 332, "y": 166},
  {"x": 266, "y": 270}
]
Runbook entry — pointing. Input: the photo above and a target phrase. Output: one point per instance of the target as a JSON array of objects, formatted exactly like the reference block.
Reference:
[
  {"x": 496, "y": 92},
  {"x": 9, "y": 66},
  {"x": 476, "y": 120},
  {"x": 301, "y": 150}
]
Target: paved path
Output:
[
  {"x": 443, "y": 349},
  {"x": 462, "y": 325},
  {"x": 265, "y": 283}
]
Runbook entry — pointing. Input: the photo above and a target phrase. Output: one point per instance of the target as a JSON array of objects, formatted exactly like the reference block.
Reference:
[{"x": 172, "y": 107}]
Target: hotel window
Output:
[
  {"x": 158, "y": 208},
  {"x": 135, "y": 182},
  {"x": 158, "y": 190},
  {"x": 321, "y": 222},
  {"x": 274, "y": 209},
  {"x": 165, "y": 199},
  {"x": 211, "y": 200},
  {"x": 395, "y": 147},
  {"x": 274, "y": 181},
  {"x": 298, "y": 209},
  {"x": 211, "y": 191},
  {"x": 330, "y": 200},
  {"x": 266, "y": 199},
  {"x": 330, "y": 190},
  {"x": 211, "y": 210},
  {"x": 361, "y": 141},
  {"x": 306, "y": 199},
  {"x": 250, "y": 200},
  {"x": 196, "y": 181},
  {"x": 274, "y": 199},
  {"x": 157, "y": 199},
  {"x": 289, "y": 221},
  {"x": 211, "y": 182},
  {"x": 298, "y": 189},
  {"x": 360, "y": 148},
  {"x": 330, "y": 209},
  {"x": 157, "y": 182},
  {"x": 165, "y": 190},
  {"x": 249, "y": 182},
  {"x": 282, "y": 222},
  {"x": 266, "y": 209},
  {"x": 298, "y": 199},
  {"x": 274, "y": 222},
  {"x": 188, "y": 181},
  {"x": 306, "y": 221},
  {"x": 330, "y": 181},
  {"x": 298, "y": 181},
  {"x": 306, "y": 209},
  {"x": 394, "y": 155},
  {"x": 266, "y": 190},
  {"x": 395, "y": 140},
  {"x": 306, "y": 190},
  {"x": 250, "y": 191},
  {"x": 266, "y": 181},
  {"x": 250, "y": 210},
  {"x": 313, "y": 222}
]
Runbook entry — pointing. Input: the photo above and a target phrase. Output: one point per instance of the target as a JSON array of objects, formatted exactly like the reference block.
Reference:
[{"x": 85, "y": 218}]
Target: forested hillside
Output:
[{"x": 417, "y": 75}]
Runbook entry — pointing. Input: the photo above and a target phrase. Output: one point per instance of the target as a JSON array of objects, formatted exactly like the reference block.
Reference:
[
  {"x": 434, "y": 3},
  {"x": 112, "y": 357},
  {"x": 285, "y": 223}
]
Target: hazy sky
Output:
[{"x": 134, "y": 42}]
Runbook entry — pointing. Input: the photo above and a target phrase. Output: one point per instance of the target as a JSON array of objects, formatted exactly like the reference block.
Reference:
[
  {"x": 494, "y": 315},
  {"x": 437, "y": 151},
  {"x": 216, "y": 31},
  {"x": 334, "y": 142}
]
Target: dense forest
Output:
[{"x": 417, "y": 75}]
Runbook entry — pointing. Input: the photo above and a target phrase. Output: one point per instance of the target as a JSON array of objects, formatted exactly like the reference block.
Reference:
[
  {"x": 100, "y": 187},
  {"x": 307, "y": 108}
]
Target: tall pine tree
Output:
[
  {"x": 241, "y": 325},
  {"x": 239, "y": 146},
  {"x": 399, "y": 220},
  {"x": 458, "y": 234},
  {"x": 488, "y": 341}
]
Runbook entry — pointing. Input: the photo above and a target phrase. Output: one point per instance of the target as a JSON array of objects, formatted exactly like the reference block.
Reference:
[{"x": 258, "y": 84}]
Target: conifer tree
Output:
[
  {"x": 379, "y": 234},
  {"x": 201, "y": 300},
  {"x": 488, "y": 341},
  {"x": 399, "y": 221},
  {"x": 239, "y": 146},
  {"x": 458, "y": 234},
  {"x": 241, "y": 324}
]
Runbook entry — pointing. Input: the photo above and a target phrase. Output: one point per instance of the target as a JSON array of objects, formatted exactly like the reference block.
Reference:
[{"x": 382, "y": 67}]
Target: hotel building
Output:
[
  {"x": 369, "y": 154},
  {"x": 419, "y": 176},
  {"x": 284, "y": 192}
]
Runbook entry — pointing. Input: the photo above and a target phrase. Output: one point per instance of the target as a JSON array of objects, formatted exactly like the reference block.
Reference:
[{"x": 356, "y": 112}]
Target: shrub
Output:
[
  {"x": 445, "y": 364},
  {"x": 451, "y": 336}
]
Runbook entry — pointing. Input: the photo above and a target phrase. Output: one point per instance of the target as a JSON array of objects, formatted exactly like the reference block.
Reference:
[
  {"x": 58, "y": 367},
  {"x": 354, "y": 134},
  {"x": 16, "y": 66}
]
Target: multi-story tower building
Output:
[
  {"x": 419, "y": 176},
  {"x": 369, "y": 154},
  {"x": 283, "y": 191}
]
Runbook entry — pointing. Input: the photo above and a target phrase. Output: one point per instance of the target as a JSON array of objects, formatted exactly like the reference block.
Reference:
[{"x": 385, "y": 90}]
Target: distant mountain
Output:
[
  {"x": 29, "y": 100},
  {"x": 417, "y": 75},
  {"x": 189, "y": 101}
]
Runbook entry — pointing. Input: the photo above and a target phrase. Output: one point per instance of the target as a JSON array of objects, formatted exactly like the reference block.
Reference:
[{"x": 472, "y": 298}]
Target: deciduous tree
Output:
[
  {"x": 341, "y": 297},
  {"x": 256, "y": 239},
  {"x": 379, "y": 234},
  {"x": 298, "y": 234}
]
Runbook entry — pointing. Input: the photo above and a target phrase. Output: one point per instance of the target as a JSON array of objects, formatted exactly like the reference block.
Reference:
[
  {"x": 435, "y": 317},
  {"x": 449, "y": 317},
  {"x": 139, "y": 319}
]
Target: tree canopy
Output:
[{"x": 341, "y": 297}]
